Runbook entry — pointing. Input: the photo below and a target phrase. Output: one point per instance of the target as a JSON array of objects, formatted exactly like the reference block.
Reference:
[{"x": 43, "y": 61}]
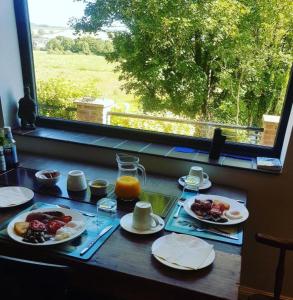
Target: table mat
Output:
[
  {"x": 186, "y": 224},
  {"x": 161, "y": 203},
  {"x": 73, "y": 248}
]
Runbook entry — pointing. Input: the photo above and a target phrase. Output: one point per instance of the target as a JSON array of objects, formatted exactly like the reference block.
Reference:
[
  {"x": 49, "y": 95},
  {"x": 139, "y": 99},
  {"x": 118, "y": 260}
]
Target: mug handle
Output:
[
  {"x": 157, "y": 222},
  {"x": 205, "y": 176}
]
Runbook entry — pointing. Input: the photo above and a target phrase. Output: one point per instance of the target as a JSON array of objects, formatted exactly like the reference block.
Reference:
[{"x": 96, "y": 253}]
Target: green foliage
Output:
[
  {"x": 56, "y": 96},
  {"x": 84, "y": 45},
  {"x": 218, "y": 60}
]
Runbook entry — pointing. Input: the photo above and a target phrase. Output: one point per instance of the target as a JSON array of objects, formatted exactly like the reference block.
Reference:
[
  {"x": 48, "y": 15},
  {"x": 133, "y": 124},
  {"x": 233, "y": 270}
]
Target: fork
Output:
[
  {"x": 180, "y": 202},
  {"x": 181, "y": 199}
]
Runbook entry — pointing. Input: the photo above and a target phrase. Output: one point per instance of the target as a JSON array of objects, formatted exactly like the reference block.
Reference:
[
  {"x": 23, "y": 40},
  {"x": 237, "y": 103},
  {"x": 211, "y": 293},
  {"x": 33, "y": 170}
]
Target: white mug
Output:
[
  {"x": 76, "y": 181},
  {"x": 143, "y": 217},
  {"x": 198, "y": 172}
]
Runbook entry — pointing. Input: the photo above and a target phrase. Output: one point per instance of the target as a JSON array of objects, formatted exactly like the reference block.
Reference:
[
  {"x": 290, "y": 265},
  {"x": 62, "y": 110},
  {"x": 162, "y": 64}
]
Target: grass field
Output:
[{"x": 82, "y": 69}]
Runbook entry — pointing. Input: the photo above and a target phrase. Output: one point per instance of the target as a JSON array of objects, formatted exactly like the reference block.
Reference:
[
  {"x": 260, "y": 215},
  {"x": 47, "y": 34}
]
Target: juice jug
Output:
[{"x": 128, "y": 186}]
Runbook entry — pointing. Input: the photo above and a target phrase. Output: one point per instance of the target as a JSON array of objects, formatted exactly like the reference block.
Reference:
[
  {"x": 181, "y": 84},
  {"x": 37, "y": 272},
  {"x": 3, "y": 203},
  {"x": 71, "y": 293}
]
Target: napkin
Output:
[{"x": 183, "y": 250}]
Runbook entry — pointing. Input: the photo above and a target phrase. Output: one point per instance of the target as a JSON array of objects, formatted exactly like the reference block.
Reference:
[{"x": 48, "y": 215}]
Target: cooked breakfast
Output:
[
  {"x": 211, "y": 210},
  {"x": 40, "y": 227}
]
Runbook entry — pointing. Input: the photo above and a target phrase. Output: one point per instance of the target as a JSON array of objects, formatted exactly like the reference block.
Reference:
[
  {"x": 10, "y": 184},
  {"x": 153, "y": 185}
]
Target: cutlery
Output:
[
  {"x": 241, "y": 201},
  {"x": 180, "y": 204},
  {"x": 227, "y": 235},
  {"x": 105, "y": 230},
  {"x": 85, "y": 213},
  {"x": 211, "y": 230}
]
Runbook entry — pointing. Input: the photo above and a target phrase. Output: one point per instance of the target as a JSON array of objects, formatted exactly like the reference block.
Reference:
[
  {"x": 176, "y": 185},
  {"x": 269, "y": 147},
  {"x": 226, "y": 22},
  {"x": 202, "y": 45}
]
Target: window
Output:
[{"x": 172, "y": 75}]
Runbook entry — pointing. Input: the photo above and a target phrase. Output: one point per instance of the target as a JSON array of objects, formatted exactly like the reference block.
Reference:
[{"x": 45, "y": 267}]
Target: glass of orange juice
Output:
[{"x": 128, "y": 186}]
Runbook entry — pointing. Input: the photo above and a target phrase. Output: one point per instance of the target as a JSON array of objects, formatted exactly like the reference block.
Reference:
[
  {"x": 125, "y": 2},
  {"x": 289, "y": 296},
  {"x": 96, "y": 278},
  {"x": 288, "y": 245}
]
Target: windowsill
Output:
[{"x": 152, "y": 149}]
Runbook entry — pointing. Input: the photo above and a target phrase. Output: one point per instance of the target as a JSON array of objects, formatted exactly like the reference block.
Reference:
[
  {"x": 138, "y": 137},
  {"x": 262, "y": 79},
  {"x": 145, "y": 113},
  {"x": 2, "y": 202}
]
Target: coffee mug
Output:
[
  {"x": 76, "y": 181},
  {"x": 198, "y": 172},
  {"x": 143, "y": 217}
]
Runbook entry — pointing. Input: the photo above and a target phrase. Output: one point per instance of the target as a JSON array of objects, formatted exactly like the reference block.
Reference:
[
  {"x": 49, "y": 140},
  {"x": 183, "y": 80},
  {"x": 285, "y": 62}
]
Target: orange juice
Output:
[{"x": 127, "y": 187}]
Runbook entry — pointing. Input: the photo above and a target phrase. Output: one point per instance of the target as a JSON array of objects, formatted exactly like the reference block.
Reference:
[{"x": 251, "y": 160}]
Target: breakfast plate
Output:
[
  {"x": 205, "y": 185},
  {"x": 11, "y": 196},
  {"x": 185, "y": 239},
  {"x": 228, "y": 213},
  {"x": 74, "y": 216},
  {"x": 126, "y": 223}
]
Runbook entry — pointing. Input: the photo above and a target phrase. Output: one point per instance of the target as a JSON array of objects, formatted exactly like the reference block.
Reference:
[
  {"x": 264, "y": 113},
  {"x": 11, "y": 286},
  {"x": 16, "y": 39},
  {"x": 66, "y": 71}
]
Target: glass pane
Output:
[{"x": 180, "y": 67}]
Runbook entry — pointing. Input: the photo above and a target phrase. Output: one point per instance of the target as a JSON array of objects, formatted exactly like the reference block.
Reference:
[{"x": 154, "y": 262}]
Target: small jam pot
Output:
[{"x": 98, "y": 187}]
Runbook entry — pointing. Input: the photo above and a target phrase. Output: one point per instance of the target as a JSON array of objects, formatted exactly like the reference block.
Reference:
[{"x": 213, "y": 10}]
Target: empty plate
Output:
[{"x": 14, "y": 195}]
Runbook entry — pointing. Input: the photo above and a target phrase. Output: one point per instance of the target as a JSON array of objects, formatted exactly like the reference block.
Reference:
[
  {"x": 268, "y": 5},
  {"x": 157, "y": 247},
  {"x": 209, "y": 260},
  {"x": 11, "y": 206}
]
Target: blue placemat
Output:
[
  {"x": 73, "y": 248},
  {"x": 186, "y": 224}
]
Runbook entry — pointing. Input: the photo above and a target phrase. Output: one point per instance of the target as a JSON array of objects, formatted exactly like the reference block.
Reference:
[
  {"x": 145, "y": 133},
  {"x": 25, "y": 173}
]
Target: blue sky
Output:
[{"x": 54, "y": 12}]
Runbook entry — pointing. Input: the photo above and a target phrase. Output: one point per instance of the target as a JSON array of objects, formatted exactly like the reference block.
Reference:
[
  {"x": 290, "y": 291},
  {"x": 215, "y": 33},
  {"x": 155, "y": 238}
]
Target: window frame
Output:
[{"x": 27, "y": 62}]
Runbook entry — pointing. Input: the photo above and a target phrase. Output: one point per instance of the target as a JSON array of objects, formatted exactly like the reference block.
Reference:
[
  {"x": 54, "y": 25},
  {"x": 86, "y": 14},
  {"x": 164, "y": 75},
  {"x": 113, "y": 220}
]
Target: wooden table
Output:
[{"x": 124, "y": 267}]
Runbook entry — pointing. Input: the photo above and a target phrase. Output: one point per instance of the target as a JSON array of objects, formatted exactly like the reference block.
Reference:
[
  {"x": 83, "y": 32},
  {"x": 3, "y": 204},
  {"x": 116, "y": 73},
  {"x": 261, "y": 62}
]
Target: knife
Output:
[
  {"x": 211, "y": 230},
  {"x": 105, "y": 230}
]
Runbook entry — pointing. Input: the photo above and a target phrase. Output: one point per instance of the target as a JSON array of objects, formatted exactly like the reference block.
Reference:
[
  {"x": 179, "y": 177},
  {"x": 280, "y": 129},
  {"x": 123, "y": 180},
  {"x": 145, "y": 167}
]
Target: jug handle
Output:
[{"x": 143, "y": 174}]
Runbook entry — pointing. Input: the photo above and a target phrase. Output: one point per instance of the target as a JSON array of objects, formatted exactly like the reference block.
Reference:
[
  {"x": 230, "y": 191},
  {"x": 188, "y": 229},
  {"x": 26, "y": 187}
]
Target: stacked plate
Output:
[{"x": 183, "y": 252}]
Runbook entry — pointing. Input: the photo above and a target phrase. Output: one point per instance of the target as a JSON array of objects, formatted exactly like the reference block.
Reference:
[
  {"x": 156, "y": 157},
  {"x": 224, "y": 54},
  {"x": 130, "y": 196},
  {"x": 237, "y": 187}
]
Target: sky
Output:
[{"x": 54, "y": 12}]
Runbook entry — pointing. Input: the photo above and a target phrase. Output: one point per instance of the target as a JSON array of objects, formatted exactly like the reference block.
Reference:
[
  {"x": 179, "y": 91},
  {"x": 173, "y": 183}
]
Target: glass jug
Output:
[{"x": 128, "y": 186}]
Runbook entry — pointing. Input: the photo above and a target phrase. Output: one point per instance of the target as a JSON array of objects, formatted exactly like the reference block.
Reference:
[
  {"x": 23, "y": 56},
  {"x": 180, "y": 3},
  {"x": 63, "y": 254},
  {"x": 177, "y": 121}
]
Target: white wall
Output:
[
  {"x": 11, "y": 89},
  {"x": 270, "y": 197}
]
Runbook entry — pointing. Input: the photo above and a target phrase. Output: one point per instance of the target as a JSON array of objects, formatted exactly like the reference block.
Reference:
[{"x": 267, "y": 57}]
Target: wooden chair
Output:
[
  {"x": 283, "y": 245},
  {"x": 24, "y": 279}
]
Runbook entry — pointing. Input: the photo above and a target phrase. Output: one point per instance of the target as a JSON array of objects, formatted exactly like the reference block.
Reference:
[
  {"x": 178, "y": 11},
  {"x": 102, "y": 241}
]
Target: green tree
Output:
[
  {"x": 60, "y": 44},
  {"x": 220, "y": 60}
]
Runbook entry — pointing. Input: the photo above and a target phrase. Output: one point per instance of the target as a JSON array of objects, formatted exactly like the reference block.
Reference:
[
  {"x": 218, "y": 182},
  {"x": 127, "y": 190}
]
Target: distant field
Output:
[{"x": 81, "y": 69}]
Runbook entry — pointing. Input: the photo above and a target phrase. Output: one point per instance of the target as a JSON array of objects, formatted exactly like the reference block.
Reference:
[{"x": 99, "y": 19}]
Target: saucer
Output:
[
  {"x": 126, "y": 223},
  {"x": 205, "y": 185}
]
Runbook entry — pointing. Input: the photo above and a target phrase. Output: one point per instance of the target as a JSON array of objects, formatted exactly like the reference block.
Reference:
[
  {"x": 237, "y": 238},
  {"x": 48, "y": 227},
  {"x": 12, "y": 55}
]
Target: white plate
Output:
[
  {"x": 205, "y": 185},
  {"x": 209, "y": 260},
  {"x": 234, "y": 205},
  {"x": 14, "y": 195},
  {"x": 76, "y": 216},
  {"x": 126, "y": 223}
]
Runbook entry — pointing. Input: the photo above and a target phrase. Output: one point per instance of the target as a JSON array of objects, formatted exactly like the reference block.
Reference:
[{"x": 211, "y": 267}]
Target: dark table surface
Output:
[{"x": 124, "y": 267}]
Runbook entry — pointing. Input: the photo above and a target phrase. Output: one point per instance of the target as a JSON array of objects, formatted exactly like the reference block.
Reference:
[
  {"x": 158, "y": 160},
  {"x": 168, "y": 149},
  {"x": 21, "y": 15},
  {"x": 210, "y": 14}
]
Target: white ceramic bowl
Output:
[
  {"x": 98, "y": 187},
  {"x": 47, "y": 177}
]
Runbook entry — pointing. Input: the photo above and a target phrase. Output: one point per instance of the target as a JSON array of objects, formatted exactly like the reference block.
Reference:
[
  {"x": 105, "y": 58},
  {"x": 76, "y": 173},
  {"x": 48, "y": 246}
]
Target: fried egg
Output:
[
  {"x": 68, "y": 230},
  {"x": 233, "y": 214}
]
